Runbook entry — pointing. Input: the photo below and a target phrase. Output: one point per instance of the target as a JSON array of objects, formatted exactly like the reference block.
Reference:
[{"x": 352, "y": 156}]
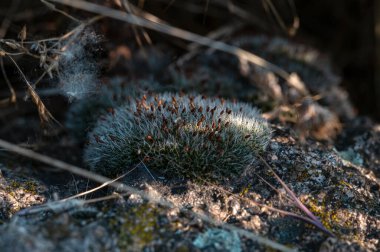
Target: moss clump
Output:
[{"x": 178, "y": 135}]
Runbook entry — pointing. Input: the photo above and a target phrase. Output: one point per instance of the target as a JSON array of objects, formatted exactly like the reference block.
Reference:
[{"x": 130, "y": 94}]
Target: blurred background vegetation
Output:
[{"x": 343, "y": 29}]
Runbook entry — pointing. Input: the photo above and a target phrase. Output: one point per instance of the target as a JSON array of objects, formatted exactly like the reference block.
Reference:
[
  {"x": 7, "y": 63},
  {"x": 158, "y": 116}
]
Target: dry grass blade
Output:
[
  {"x": 245, "y": 15},
  {"x": 3, "y": 30},
  {"x": 109, "y": 182},
  {"x": 128, "y": 8},
  {"x": 45, "y": 115},
  {"x": 270, "y": 7},
  {"x": 296, "y": 19},
  {"x": 13, "y": 97},
  {"x": 186, "y": 35},
  {"x": 296, "y": 201},
  {"x": 194, "y": 48},
  {"x": 124, "y": 188},
  {"x": 52, "y": 7},
  {"x": 98, "y": 187}
]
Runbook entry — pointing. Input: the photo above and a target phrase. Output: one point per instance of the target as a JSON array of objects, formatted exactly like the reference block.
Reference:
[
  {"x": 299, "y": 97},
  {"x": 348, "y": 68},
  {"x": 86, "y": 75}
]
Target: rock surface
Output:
[{"x": 345, "y": 196}]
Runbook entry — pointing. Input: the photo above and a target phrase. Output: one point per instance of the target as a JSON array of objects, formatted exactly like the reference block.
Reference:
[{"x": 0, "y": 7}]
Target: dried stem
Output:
[
  {"x": 13, "y": 97},
  {"x": 296, "y": 201},
  {"x": 45, "y": 115}
]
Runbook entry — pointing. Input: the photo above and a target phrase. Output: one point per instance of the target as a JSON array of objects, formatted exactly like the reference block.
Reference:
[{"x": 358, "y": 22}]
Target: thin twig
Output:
[
  {"x": 111, "y": 181},
  {"x": 99, "y": 187}
]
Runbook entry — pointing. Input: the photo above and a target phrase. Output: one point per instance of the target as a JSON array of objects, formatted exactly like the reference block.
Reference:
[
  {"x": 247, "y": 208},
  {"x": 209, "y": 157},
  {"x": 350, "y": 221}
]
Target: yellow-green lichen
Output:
[
  {"x": 27, "y": 186},
  {"x": 326, "y": 216},
  {"x": 333, "y": 218},
  {"x": 303, "y": 176},
  {"x": 245, "y": 190},
  {"x": 137, "y": 227},
  {"x": 20, "y": 193}
]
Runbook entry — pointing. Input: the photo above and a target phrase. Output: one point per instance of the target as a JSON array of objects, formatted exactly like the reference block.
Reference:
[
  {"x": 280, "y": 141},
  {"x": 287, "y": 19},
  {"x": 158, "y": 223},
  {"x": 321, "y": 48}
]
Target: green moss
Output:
[{"x": 177, "y": 135}]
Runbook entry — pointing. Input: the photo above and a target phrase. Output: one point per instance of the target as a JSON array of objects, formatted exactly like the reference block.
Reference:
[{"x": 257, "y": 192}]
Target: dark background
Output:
[
  {"x": 342, "y": 28},
  {"x": 345, "y": 29}
]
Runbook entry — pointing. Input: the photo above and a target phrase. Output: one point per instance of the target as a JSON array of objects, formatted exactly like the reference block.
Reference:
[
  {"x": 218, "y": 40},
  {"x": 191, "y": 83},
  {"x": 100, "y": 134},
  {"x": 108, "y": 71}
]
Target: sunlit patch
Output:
[{"x": 19, "y": 194}]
